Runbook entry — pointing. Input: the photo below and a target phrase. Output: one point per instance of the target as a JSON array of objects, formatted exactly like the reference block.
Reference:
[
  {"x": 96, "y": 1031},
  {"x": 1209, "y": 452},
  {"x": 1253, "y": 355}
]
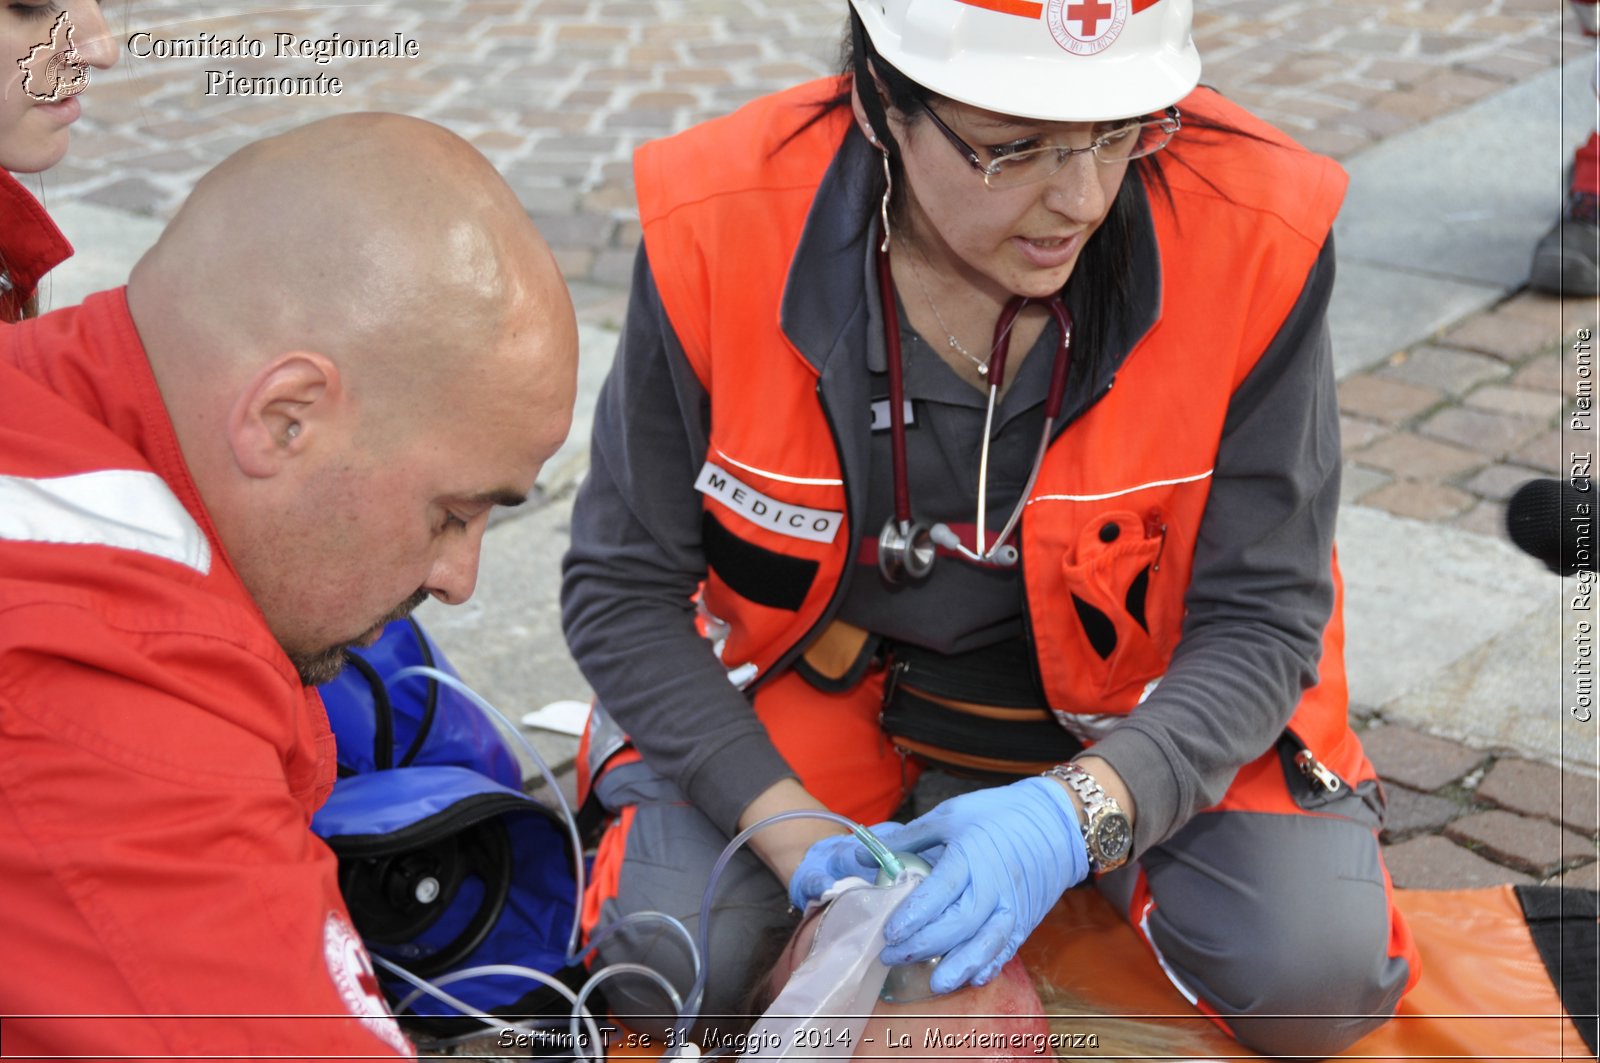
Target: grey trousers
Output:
[{"x": 1279, "y": 923}]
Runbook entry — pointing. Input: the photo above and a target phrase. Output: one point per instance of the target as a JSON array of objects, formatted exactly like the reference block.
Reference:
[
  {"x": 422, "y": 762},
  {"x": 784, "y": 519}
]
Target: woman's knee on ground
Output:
[
  {"x": 1310, "y": 987},
  {"x": 1281, "y": 926}
]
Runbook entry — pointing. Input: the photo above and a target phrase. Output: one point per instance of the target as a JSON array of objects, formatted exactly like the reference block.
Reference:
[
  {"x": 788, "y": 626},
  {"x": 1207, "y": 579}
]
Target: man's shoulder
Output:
[
  {"x": 133, "y": 659},
  {"x": 86, "y": 520},
  {"x": 53, "y": 416},
  {"x": 122, "y": 627}
]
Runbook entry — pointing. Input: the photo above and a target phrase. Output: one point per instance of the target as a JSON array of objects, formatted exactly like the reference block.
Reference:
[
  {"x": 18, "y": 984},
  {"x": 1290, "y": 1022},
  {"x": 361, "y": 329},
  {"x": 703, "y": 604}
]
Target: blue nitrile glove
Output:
[
  {"x": 1009, "y": 855},
  {"x": 829, "y": 860}
]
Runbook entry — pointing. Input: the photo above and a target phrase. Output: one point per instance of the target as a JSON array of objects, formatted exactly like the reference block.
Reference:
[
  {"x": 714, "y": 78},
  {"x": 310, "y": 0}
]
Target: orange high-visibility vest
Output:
[{"x": 1234, "y": 257}]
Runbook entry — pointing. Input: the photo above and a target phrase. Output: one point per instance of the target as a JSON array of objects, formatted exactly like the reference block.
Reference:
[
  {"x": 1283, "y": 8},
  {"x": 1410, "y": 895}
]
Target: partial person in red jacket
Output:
[
  {"x": 288, "y": 429},
  {"x": 1566, "y": 260},
  {"x": 972, "y": 445},
  {"x": 47, "y": 50}
]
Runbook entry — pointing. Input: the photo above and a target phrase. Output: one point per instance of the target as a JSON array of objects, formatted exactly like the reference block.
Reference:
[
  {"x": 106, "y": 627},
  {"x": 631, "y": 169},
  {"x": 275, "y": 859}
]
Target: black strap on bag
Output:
[{"x": 383, "y": 707}]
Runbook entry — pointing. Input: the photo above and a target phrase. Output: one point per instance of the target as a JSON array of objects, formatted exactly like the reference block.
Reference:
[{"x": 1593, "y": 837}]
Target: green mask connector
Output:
[{"x": 890, "y": 863}]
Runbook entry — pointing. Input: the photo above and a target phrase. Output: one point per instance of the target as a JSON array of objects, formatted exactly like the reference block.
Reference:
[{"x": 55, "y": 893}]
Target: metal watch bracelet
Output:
[{"x": 1107, "y": 833}]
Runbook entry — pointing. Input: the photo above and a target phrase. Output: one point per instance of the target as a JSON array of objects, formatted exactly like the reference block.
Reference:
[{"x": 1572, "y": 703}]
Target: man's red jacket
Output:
[{"x": 159, "y": 758}]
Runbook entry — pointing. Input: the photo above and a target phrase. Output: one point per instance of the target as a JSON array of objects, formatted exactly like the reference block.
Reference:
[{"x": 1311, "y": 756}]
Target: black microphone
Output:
[{"x": 1553, "y": 520}]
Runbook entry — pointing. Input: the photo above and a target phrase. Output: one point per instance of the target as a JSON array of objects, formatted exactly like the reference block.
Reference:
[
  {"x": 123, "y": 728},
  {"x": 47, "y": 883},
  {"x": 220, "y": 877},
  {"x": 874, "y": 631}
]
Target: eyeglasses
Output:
[{"x": 1018, "y": 164}]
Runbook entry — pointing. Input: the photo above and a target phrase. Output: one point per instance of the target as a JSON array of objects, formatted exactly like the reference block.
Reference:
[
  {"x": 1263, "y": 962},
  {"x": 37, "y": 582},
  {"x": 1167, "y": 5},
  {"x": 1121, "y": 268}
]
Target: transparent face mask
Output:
[{"x": 821, "y": 1012}]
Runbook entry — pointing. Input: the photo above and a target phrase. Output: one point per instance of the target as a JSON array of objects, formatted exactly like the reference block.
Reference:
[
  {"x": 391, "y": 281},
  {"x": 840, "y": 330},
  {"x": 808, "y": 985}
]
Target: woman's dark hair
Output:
[
  {"x": 13, "y": 307},
  {"x": 1100, "y": 290}
]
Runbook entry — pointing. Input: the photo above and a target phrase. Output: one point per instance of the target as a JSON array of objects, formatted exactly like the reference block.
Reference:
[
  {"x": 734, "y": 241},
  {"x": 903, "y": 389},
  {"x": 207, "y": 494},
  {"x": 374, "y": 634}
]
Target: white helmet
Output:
[{"x": 1052, "y": 60}]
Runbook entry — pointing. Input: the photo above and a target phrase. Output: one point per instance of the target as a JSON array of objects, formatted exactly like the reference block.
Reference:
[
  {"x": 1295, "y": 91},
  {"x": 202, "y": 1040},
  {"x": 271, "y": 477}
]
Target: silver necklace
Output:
[{"x": 950, "y": 337}]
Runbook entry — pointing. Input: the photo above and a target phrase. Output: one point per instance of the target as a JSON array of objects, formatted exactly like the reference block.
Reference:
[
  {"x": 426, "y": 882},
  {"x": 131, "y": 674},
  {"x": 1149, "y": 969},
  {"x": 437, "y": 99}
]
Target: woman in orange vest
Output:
[
  {"x": 972, "y": 449},
  {"x": 46, "y": 50}
]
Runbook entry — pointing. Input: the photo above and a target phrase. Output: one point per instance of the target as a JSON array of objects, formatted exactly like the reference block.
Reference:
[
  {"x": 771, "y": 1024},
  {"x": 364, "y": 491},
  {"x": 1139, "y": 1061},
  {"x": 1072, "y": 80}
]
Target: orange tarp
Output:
[{"x": 1484, "y": 992}]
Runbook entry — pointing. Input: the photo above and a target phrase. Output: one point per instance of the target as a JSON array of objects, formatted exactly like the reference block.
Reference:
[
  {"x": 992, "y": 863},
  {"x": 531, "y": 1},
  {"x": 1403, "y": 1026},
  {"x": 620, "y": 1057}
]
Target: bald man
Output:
[{"x": 289, "y": 428}]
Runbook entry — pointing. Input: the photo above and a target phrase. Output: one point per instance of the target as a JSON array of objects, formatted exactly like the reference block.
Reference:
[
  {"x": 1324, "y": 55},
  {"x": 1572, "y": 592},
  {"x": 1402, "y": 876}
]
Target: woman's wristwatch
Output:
[{"x": 1107, "y": 834}]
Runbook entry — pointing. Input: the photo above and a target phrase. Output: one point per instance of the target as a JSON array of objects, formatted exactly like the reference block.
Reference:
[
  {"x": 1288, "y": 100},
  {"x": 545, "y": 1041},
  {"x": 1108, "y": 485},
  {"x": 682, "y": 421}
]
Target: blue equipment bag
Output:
[
  {"x": 417, "y": 721},
  {"x": 443, "y": 862}
]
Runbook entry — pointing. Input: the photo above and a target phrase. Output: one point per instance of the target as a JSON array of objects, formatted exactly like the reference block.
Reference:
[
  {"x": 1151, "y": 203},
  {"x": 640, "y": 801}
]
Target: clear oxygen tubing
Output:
[
  {"x": 640, "y": 917},
  {"x": 574, "y": 955},
  {"x": 886, "y": 860},
  {"x": 634, "y": 968},
  {"x": 437, "y": 992},
  {"x": 615, "y": 969},
  {"x": 494, "y": 714},
  {"x": 687, "y": 1012},
  {"x": 579, "y": 1018}
]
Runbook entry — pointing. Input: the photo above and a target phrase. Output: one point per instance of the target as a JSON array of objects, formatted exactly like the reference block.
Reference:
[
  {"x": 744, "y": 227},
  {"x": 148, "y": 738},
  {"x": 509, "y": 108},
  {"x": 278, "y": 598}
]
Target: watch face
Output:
[{"x": 1113, "y": 839}]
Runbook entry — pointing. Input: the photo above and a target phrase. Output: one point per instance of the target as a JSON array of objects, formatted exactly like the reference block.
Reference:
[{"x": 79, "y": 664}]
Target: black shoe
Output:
[{"x": 1566, "y": 260}]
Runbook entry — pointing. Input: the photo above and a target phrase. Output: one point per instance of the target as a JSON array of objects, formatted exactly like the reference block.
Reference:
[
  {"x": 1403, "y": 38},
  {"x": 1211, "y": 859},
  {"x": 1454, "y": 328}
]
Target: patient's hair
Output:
[
  {"x": 1072, "y": 1018},
  {"x": 769, "y": 951}
]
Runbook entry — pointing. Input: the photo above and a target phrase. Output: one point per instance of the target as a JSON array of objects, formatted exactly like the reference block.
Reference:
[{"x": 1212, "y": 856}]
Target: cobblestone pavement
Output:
[{"x": 559, "y": 92}]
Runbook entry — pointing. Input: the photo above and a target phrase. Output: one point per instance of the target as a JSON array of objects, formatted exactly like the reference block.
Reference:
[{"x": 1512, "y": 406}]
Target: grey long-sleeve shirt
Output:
[{"x": 1259, "y": 597}]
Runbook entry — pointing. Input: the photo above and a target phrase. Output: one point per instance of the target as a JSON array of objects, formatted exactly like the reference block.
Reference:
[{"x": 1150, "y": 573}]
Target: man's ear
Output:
[{"x": 282, "y": 411}]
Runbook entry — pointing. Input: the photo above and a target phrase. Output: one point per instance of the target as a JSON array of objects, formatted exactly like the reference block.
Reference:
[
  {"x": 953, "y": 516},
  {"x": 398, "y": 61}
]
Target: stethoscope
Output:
[{"x": 906, "y": 548}]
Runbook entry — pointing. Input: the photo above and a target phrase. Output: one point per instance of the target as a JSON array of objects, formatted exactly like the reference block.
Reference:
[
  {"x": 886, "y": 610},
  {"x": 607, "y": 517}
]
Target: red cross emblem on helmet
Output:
[{"x": 1084, "y": 27}]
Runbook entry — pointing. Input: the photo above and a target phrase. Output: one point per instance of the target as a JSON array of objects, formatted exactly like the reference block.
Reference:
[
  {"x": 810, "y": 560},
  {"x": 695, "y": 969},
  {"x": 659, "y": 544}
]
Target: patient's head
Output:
[
  {"x": 999, "y": 1022},
  {"x": 1006, "y": 1021}
]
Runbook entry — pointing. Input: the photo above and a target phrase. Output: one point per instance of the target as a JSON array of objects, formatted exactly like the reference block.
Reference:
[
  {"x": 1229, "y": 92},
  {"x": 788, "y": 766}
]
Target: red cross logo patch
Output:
[
  {"x": 1084, "y": 27},
  {"x": 352, "y": 974}
]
